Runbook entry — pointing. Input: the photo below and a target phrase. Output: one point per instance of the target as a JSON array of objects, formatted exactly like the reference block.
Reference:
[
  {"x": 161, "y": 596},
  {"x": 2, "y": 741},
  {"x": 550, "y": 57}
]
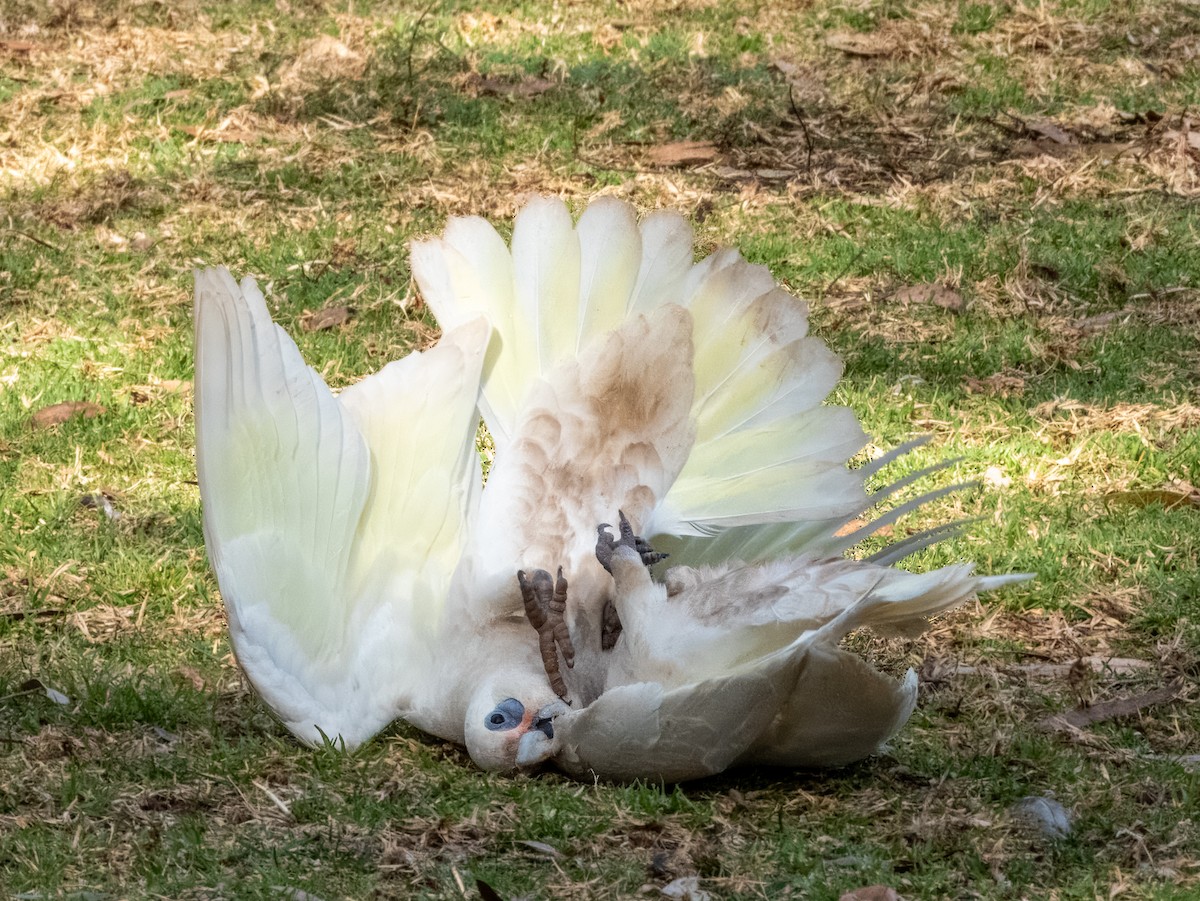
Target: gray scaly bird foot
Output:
[
  {"x": 605, "y": 544},
  {"x": 610, "y": 625},
  {"x": 545, "y": 607}
]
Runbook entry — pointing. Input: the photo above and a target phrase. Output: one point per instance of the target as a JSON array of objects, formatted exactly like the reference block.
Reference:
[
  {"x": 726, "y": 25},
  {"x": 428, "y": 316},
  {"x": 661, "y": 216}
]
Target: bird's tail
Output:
[{"x": 768, "y": 453}]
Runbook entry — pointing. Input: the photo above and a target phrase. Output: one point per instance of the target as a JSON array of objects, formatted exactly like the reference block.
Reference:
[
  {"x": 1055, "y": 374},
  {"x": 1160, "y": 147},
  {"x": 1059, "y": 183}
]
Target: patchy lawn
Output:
[{"x": 992, "y": 208}]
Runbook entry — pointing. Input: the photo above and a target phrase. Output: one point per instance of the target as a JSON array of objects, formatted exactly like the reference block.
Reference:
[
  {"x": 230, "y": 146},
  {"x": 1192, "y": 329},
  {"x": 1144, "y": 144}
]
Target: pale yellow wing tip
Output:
[{"x": 991, "y": 583}]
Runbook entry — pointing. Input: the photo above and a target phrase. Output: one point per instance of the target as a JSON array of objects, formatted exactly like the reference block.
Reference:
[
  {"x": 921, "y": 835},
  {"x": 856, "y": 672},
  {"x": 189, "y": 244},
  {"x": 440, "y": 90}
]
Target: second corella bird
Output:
[{"x": 369, "y": 574}]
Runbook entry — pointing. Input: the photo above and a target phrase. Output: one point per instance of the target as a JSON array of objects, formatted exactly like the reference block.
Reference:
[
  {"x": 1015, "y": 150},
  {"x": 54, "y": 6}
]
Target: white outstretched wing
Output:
[
  {"x": 840, "y": 708},
  {"x": 760, "y": 678},
  {"x": 333, "y": 524},
  {"x": 646, "y": 731}
]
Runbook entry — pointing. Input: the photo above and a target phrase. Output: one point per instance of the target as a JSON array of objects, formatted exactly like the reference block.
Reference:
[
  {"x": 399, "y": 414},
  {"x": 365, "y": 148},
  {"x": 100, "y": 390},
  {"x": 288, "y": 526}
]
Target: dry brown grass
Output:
[{"x": 285, "y": 149}]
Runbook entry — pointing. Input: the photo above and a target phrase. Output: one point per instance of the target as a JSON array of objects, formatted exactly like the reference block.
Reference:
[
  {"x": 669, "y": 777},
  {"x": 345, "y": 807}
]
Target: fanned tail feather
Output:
[
  {"x": 468, "y": 272},
  {"x": 767, "y": 449},
  {"x": 560, "y": 286},
  {"x": 767, "y": 473},
  {"x": 610, "y": 250}
]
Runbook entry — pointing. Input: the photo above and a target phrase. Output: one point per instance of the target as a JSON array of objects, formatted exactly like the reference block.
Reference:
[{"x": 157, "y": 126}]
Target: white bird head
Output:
[{"x": 510, "y": 724}]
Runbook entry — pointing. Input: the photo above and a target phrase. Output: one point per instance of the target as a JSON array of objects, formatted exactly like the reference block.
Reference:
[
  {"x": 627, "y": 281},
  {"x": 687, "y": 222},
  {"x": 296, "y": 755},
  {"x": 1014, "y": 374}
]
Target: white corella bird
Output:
[{"x": 369, "y": 574}]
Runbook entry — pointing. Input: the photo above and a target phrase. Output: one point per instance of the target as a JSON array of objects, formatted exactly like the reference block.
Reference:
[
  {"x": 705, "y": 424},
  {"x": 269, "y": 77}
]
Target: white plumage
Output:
[
  {"x": 368, "y": 578},
  {"x": 334, "y": 525}
]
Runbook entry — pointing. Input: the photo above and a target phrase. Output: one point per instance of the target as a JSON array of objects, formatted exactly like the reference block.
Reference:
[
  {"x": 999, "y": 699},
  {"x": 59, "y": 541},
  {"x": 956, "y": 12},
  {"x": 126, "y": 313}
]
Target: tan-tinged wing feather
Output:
[{"x": 325, "y": 618}]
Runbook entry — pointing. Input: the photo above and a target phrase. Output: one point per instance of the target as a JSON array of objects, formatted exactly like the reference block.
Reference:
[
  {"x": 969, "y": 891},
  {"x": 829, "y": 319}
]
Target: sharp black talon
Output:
[{"x": 627, "y": 537}]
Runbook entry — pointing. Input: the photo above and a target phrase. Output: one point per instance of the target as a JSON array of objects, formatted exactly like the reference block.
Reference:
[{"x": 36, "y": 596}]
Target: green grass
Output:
[{"x": 916, "y": 162}]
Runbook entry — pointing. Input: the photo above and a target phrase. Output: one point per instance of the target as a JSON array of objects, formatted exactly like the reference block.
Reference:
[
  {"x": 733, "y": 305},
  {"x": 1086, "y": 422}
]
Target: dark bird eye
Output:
[{"x": 507, "y": 715}]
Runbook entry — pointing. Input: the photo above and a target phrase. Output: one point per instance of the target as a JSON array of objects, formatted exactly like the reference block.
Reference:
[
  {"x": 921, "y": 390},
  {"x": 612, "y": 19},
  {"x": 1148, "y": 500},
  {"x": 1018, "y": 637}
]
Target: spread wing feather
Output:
[{"x": 310, "y": 502}]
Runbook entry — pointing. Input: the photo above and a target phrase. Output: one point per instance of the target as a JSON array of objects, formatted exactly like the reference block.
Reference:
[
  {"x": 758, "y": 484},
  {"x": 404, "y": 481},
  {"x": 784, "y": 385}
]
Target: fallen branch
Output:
[{"x": 1081, "y": 718}]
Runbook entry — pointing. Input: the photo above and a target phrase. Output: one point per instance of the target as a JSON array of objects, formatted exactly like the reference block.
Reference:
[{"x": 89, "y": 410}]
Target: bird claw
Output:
[
  {"x": 606, "y": 545},
  {"x": 610, "y": 626},
  {"x": 545, "y": 607}
]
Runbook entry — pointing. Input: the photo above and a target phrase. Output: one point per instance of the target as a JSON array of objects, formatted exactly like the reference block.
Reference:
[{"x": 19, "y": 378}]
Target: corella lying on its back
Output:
[{"x": 369, "y": 575}]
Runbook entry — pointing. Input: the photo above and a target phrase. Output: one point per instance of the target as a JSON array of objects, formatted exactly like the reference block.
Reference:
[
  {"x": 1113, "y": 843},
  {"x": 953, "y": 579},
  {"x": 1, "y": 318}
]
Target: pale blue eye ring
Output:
[{"x": 508, "y": 715}]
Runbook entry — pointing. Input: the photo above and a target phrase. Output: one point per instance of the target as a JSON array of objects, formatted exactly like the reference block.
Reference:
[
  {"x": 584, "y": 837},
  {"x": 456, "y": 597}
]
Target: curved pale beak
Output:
[{"x": 538, "y": 744}]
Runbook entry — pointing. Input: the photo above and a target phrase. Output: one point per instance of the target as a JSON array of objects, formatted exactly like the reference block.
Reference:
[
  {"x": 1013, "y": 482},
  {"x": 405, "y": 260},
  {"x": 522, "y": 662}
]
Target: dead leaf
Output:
[
  {"x": 18, "y": 615},
  {"x": 328, "y": 318},
  {"x": 785, "y": 67},
  {"x": 56, "y": 414},
  {"x": 732, "y": 173},
  {"x": 996, "y": 385},
  {"x": 1190, "y": 138},
  {"x": 683, "y": 153},
  {"x": 609, "y": 121},
  {"x": 855, "y": 43},
  {"x": 327, "y": 54},
  {"x": 934, "y": 293},
  {"x": 486, "y": 892},
  {"x": 855, "y": 524},
  {"x": 541, "y": 848},
  {"x": 1101, "y": 321},
  {"x": 192, "y": 675},
  {"x": 1109, "y": 710},
  {"x": 1170, "y": 499},
  {"x": 18, "y": 48},
  {"x": 141, "y": 394},
  {"x": 871, "y": 893},
  {"x": 608, "y": 35},
  {"x": 1049, "y": 130}
]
